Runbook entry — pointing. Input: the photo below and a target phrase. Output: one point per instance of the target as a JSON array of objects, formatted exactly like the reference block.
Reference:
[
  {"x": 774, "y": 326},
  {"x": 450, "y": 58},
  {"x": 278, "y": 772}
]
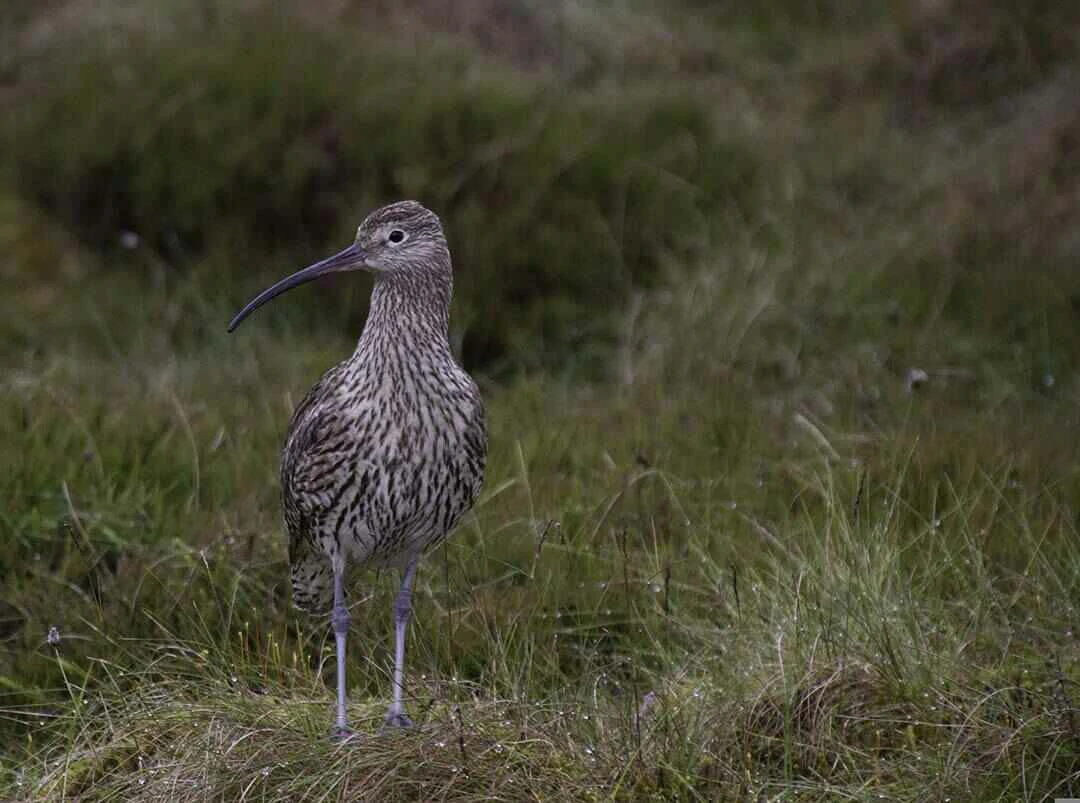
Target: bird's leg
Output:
[
  {"x": 339, "y": 620},
  {"x": 395, "y": 716}
]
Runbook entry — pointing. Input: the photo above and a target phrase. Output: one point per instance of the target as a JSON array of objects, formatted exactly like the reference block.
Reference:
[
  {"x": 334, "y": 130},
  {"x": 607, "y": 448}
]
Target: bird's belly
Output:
[
  {"x": 389, "y": 505},
  {"x": 403, "y": 515}
]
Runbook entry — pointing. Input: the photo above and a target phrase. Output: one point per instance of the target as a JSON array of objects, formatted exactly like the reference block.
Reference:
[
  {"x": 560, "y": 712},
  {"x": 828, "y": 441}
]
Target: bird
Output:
[{"x": 387, "y": 451}]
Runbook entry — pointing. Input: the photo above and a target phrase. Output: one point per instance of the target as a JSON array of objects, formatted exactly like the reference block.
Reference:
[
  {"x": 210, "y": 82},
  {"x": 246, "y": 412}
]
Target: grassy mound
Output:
[{"x": 623, "y": 655}]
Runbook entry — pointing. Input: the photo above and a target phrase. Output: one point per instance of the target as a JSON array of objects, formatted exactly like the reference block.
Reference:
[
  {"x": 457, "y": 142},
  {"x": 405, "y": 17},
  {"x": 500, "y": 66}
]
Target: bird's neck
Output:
[{"x": 408, "y": 314}]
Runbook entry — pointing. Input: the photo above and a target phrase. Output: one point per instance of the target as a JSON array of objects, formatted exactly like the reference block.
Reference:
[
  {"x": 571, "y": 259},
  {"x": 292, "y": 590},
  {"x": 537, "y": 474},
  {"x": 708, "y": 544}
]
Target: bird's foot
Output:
[
  {"x": 396, "y": 720},
  {"x": 342, "y": 734}
]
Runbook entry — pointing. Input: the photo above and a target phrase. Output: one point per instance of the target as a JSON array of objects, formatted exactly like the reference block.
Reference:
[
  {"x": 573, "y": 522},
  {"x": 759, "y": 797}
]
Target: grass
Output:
[
  {"x": 794, "y": 516},
  {"x": 213, "y": 141}
]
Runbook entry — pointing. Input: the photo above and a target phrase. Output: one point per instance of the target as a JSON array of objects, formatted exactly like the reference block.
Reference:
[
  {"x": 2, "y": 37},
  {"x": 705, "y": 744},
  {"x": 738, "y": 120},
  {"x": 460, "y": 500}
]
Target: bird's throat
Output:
[{"x": 411, "y": 312}]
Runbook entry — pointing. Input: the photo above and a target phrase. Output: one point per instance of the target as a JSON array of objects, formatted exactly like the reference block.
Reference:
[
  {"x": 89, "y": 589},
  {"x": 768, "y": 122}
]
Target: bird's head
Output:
[{"x": 403, "y": 240}]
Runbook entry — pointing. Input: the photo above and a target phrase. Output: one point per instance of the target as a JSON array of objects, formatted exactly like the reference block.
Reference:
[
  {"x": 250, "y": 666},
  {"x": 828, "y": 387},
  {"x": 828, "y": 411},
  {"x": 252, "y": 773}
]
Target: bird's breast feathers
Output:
[{"x": 385, "y": 473}]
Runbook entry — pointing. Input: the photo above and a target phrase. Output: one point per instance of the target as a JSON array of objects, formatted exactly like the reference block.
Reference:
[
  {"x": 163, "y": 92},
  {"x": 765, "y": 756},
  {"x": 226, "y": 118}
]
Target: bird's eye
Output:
[{"x": 397, "y": 236}]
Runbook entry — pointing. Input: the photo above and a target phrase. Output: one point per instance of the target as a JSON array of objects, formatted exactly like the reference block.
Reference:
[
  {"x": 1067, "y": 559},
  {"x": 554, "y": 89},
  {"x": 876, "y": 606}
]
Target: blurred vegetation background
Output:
[{"x": 776, "y": 307}]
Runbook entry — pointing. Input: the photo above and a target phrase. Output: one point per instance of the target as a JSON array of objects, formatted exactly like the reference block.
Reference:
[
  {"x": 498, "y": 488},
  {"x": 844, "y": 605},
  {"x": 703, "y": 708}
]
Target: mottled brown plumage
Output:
[{"x": 387, "y": 451}]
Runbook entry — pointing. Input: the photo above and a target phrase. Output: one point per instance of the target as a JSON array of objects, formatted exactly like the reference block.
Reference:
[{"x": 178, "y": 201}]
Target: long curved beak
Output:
[{"x": 350, "y": 259}]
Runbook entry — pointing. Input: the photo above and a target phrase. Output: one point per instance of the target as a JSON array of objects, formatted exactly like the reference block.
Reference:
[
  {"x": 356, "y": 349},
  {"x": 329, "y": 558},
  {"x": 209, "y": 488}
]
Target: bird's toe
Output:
[
  {"x": 342, "y": 734},
  {"x": 396, "y": 720}
]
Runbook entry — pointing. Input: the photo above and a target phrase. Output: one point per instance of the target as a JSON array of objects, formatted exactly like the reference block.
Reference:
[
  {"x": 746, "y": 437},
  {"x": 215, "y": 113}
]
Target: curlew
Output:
[{"x": 387, "y": 450}]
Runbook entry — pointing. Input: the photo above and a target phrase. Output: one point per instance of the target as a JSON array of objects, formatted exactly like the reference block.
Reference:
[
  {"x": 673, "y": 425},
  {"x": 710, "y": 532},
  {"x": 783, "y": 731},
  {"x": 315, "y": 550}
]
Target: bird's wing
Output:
[
  {"x": 319, "y": 392},
  {"x": 307, "y": 428}
]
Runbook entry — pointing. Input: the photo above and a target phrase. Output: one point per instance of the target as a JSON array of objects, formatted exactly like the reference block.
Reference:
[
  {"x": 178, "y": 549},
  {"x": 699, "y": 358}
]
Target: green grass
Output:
[
  {"x": 260, "y": 134},
  {"x": 725, "y": 550}
]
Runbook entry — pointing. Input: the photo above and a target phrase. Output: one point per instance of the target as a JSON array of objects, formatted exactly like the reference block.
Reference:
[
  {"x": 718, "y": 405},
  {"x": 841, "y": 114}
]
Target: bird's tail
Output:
[{"x": 312, "y": 577}]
